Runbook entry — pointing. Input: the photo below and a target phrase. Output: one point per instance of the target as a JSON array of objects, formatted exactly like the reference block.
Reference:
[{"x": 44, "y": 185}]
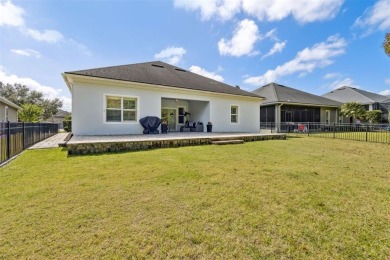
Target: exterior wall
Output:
[
  {"x": 333, "y": 114},
  {"x": 89, "y": 113},
  {"x": 12, "y": 113}
]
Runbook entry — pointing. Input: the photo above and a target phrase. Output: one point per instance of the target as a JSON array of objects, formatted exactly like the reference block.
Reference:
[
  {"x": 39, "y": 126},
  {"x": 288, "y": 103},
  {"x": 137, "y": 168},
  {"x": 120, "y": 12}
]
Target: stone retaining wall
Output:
[{"x": 104, "y": 147}]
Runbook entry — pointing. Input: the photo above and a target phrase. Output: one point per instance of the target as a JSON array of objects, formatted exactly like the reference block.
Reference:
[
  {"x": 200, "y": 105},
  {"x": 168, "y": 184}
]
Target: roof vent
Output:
[
  {"x": 178, "y": 69},
  {"x": 156, "y": 65}
]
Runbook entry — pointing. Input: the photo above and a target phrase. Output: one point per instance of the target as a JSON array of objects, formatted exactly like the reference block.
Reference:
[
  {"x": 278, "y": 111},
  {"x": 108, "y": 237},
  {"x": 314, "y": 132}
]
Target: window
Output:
[
  {"x": 121, "y": 109},
  {"x": 234, "y": 114},
  {"x": 181, "y": 115},
  {"x": 6, "y": 113}
]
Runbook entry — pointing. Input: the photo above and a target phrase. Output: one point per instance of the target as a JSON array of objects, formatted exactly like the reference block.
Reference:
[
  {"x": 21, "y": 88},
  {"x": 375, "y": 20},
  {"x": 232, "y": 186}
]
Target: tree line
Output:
[{"x": 34, "y": 106}]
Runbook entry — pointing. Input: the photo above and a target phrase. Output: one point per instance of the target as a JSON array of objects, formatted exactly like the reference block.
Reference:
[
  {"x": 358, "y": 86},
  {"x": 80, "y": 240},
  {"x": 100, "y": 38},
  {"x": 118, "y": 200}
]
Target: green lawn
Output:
[{"x": 299, "y": 198}]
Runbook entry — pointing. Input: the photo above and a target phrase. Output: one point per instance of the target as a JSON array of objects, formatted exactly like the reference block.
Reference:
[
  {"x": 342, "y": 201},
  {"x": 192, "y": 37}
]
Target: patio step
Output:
[{"x": 228, "y": 142}]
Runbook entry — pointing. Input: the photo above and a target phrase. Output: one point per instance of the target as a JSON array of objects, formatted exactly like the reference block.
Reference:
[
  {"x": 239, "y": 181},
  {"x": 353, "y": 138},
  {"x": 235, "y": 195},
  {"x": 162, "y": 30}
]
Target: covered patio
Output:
[{"x": 176, "y": 112}]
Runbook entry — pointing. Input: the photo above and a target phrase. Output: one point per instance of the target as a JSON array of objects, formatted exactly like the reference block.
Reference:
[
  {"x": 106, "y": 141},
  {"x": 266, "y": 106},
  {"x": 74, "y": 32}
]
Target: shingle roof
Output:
[
  {"x": 275, "y": 93},
  {"x": 6, "y": 101},
  {"x": 348, "y": 94},
  {"x": 162, "y": 74}
]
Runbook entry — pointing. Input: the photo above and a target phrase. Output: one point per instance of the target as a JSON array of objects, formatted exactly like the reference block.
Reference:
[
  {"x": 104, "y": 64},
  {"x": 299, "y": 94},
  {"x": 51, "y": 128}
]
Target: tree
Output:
[
  {"x": 21, "y": 95},
  {"x": 353, "y": 109},
  {"x": 68, "y": 123},
  {"x": 30, "y": 113},
  {"x": 386, "y": 44},
  {"x": 374, "y": 116}
]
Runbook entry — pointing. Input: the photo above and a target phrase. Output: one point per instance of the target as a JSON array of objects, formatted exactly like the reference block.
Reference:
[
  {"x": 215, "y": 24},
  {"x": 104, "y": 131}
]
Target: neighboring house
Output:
[
  {"x": 111, "y": 100},
  {"x": 8, "y": 110},
  {"x": 371, "y": 101},
  {"x": 59, "y": 118},
  {"x": 288, "y": 105}
]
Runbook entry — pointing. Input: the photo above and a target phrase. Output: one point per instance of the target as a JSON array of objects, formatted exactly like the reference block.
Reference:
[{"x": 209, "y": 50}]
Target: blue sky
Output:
[{"x": 313, "y": 46}]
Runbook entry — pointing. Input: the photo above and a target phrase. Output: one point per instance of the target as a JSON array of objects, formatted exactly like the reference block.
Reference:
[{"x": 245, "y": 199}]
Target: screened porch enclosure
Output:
[
  {"x": 177, "y": 112},
  {"x": 289, "y": 114},
  {"x": 300, "y": 114}
]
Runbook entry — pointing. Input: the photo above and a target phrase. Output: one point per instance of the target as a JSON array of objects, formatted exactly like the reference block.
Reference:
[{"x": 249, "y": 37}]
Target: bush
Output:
[{"x": 68, "y": 123}]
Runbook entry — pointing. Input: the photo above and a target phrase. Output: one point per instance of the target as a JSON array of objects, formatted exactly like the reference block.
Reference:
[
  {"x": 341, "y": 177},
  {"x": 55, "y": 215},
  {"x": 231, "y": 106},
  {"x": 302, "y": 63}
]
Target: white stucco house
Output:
[{"x": 111, "y": 100}]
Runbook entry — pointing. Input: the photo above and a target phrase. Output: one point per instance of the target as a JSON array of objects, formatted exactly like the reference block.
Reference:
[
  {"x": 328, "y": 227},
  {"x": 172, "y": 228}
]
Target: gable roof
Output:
[
  {"x": 162, "y": 74},
  {"x": 275, "y": 93},
  {"x": 349, "y": 94},
  {"x": 9, "y": 103}
]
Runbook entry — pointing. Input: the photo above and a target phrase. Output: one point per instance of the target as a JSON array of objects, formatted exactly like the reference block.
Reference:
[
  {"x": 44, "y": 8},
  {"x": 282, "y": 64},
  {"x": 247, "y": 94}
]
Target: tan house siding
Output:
[{"x": 12, "y": 113}]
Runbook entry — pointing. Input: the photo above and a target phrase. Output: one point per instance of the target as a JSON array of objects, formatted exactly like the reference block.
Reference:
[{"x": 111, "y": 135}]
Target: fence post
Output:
[
  {"x": 39, "y": 127},
  {"x": 308, "y": 128},
  {"x": 8, "y": 140},
  {"x": 23, "y": 137},
  {"x": 367, "y": 132},
  {"x": 334, "y": 130},
  {"x": 271, "y": 127}
]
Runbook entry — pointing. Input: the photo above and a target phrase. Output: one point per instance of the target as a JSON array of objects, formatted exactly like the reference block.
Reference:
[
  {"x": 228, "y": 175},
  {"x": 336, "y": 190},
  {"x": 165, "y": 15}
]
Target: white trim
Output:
[
  {"x": 238, "y": 114},
  {"x": 105, "y": 95},
  {"x": 6, "y": 114},
  {"x": 327, "y": 118}
]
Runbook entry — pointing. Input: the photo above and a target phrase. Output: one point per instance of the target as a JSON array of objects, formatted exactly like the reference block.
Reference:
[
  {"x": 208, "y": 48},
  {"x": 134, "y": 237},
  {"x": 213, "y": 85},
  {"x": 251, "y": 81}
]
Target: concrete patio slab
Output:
[
  {"x": 50, "y": 142},
  {"x": 116, "y": 143}
]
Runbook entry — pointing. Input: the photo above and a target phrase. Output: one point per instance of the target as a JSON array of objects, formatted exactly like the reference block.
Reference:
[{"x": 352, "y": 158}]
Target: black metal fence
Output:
[
  {"x": 16, "y": 137},
  {"x": 377, "y": 133}
]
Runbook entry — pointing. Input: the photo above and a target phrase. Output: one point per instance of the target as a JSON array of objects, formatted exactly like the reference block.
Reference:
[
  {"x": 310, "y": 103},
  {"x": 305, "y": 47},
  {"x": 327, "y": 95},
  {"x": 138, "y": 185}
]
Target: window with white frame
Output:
[
  {"x": 6, "y": 114},
  {"x": 121, "y": 109},
  {"x": 234, "y": 114}
]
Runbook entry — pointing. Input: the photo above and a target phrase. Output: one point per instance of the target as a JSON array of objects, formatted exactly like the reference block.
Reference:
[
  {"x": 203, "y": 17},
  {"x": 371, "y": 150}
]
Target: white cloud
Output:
[
  {"x": 385, "y": 92},
  {"x": 272, "y": 35},
  {"x": 387, "y": 81},
  {"x": 278, "y": 47},
  {"x": 342, "y": 83},
  {"x": 302, "y": 10},
  {"x": 81, "y": 47},
  {"x": 48, "y": 92},
  {"x": 318, "y": 56},
  {"x": 172, "y": 55},
  {"x": 203, "y": 72},
  {"x": 50, "y": 36},
  {"x": 11, "y": 15},
  {"x": 376, "y": 17},
  {"x": 27, "y": 52},
  {"x": 222, "y": 9},
  {"x": 243, "y": 40},
  {"x": 331, "y": 75}
]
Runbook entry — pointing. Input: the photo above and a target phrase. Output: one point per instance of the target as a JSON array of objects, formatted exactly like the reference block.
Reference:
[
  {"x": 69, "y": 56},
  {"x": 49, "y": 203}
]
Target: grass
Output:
[{"x": 299, "y": 198}]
